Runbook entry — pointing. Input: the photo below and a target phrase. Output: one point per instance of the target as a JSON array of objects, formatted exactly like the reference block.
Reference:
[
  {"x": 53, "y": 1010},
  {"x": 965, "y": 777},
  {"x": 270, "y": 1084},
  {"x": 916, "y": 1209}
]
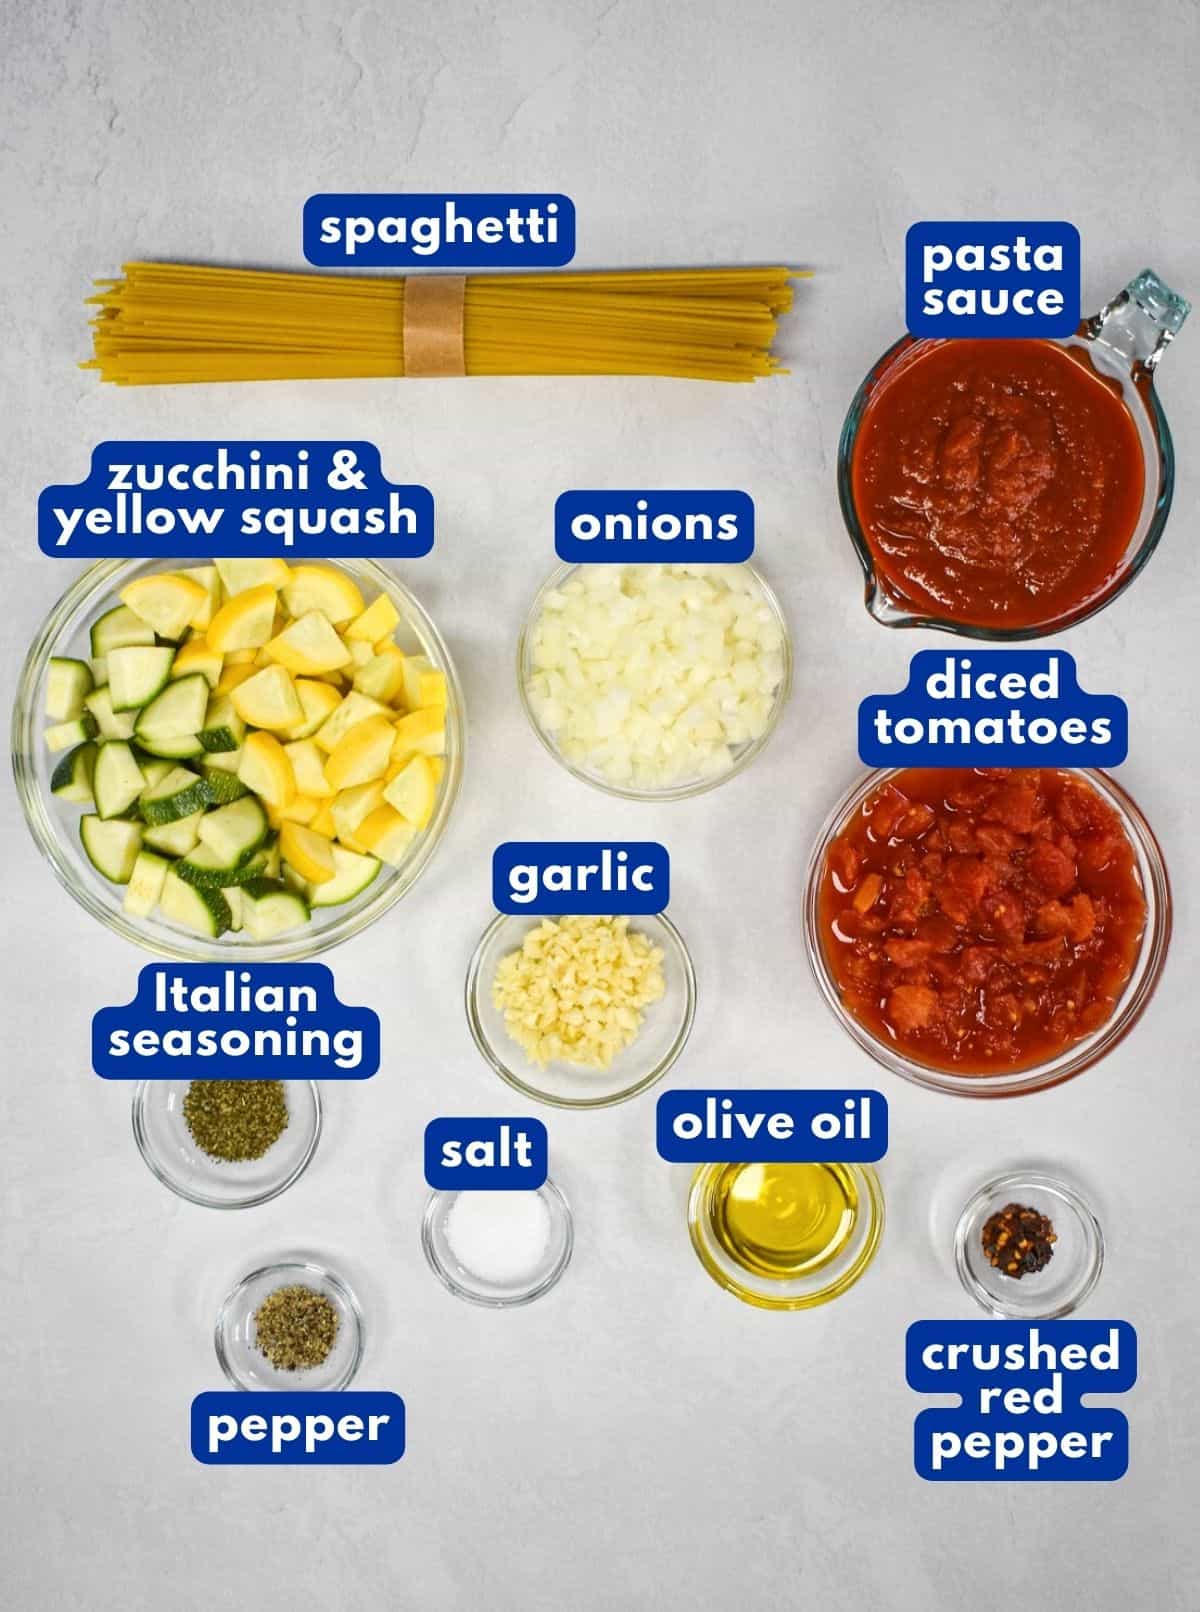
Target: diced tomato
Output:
[
  {"x": 845, "y": 861},
  {"x": 911, "y": 1007},
  {"x": 910, "y": 825},
  {"x": 1053, "y": 869},
  {"x": 905, "y": 953}
]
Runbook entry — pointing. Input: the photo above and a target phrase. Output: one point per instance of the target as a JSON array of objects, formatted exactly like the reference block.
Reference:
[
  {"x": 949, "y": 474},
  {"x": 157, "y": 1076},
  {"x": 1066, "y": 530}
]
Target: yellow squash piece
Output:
[
  {"x": 232, "y": 676},
  {"x": 268, "y": 700},
  {"x": 241, "y": 657},
  {"x": 431, "y": 690},
  {"x": 386, "y": 835},
  {"x": 166, "y": 601},
  {"x": 243, "y": 622},
  {"x": 319, "y": 701},
  {"x": 358, "y": 652},
  {"x": 310, "y": 854},
  {"x": 415, "y": 667},
  {"x": 420, "y": 733},
  {"x": 413, "y": 792},
  {"x": 352, "y": 806},
  {"x": 321, "y": 587},
  {"x": 196, "y": 656},
  {"x": 300, "y": 809},
  {"x": 265, "y": 768},
  {"x": 323, "y": 822},
  {"x": 240, "y": 575},
  {"x": 309, "y": 646},
  {"x": 210, "y": 581},
  {"x": 377, "y": 620},
  {"x": 308, "y": 765},
  {"x": 363, "y": 754},
  {"x": 355, "y": 708},
  {"x": 382, "y": 677}
]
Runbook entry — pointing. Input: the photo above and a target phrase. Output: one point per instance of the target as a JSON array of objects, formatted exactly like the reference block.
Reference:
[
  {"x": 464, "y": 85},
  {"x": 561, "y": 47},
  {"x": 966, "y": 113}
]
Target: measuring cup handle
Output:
[{"x": 1139, "y": 322}]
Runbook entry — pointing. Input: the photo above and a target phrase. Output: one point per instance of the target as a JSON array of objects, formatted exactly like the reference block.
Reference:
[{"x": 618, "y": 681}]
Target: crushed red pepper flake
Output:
[{"x": 1019, "y": 1241}]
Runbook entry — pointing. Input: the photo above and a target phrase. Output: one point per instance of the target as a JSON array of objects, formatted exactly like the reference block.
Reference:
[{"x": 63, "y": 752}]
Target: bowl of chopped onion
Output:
[{"x": 654, "y": 682}]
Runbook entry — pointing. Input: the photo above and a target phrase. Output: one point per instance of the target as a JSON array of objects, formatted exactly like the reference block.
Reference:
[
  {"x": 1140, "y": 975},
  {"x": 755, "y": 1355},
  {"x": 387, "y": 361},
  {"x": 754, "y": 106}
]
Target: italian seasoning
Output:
[
  {"x": 235, "y": 1120},
  {"x": 295, "y": 1328},
  {"x": 1018, "y": 1240}
]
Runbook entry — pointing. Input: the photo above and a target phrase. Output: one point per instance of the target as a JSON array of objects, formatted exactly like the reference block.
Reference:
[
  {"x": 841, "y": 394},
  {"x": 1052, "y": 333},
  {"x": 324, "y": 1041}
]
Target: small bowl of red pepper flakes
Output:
[
  {"x": 987, "y": 931},
  {"x": 1028, "y": 1246}
]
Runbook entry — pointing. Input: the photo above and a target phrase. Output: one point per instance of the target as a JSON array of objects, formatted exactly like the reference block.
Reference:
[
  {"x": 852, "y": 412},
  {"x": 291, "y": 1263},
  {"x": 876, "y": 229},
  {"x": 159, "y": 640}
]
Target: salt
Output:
[{"x": 500, "y": 1237}]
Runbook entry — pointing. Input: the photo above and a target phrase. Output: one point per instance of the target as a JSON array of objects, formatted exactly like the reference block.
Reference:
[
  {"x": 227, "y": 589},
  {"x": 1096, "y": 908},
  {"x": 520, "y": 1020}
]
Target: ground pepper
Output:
[
  {"x": 295, "y": 1328},
  {"x": 235, "y": 1120},
  {"x": 1018, "y": 1240}
]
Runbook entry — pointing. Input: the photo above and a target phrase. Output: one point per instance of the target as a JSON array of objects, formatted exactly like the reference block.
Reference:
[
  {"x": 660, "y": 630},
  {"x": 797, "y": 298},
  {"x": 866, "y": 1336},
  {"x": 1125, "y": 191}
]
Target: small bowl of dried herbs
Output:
[
  {"x": 1028, "y": 1246},
  {"x": 227, "y": 1144},
  {"x": 291, "y": 1325}
]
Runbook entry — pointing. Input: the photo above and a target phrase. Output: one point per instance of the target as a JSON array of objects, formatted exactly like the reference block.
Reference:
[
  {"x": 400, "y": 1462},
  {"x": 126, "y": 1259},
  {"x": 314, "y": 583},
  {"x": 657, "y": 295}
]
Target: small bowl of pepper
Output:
[
  {"x": 1028, "y": 1246},
  {"x": 227, "y": 1144},
  {"x": 291, "y": 1325}
]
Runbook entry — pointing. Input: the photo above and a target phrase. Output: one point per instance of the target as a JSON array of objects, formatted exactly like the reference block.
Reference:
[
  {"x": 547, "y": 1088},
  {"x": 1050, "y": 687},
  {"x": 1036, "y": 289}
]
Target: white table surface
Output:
[{"x": 639, "y": 1438}]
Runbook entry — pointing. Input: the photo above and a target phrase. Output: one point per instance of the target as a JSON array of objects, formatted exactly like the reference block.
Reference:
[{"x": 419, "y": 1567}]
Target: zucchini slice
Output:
[
  {"x": 112, "y": 847},
  {"x": 119, "y": 629},
  {"x": 184, "y": 748},
  {"x": 137, "y": 673},
  {"x": 72, "y": 778},
  {"x": 145, "y": 886},
  {"x": 110, "y": 724},
  {"x": 204, "y": 868},
  {"x": 175, "y": 839},
  {"x": 222, "y": 729},
  {"x": 177, "y": 711},
  {"x": 235, "y": 832},
  {"x": 68, "y": 683},
  {"x": 270, "y": 908},
  {"x": 177, "y": 795},
  {"x": 117, "y": 780},
  {"x": 65, "y": 734},
  {"x": 352, "y": 874},
  {"x": 223, "y": 786},
  {"x": 205, "y": 911}
]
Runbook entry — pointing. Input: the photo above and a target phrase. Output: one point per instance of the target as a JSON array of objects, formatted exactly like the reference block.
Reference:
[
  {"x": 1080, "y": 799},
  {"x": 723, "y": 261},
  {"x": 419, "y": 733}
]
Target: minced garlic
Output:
[{"x": 577, "y": 988}]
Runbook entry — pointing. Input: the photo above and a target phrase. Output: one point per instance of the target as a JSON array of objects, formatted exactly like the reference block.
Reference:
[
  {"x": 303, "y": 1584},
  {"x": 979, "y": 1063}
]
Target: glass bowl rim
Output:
[
  {"x": 696, "y": 786},
  {"x": 1000, "y": 1186},
  {"x": 760, "y": 1298},
  {"x": 509, "y": 1076},
  {"x": 296, "y": 946},
  {"x": 903, "y": 618},
  {"x": 141, "y": 1093},
  {"x": 561, "y": 1208},
  {"x": 1038, "y": 1077},
  {"x": 308, "y": 1266}
]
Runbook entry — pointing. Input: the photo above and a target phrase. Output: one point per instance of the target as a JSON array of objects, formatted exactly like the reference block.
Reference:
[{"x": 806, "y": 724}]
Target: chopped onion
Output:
[{"x": 655, "y": 676}]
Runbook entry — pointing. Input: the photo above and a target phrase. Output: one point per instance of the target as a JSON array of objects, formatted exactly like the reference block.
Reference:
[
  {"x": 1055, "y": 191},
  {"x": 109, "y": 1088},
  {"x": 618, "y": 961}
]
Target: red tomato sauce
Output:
[
  {"x": 982, "y": 922},
  {"x": 997, "y": 483}
]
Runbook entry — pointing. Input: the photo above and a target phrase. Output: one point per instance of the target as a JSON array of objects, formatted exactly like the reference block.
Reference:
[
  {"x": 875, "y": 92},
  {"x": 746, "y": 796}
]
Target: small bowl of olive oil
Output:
[{"x": 785, "y": 1236}]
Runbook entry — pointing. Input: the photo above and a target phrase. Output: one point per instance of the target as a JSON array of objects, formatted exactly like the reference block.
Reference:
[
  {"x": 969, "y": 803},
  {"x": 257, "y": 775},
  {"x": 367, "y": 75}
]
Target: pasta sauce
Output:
[
  {"x": 982, "y": 922},
  {"x": 997, "y": 483}
]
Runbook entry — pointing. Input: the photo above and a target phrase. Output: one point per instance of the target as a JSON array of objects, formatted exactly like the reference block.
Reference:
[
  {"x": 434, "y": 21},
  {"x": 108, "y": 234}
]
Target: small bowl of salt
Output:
[{"x": 498, "y": 1248}]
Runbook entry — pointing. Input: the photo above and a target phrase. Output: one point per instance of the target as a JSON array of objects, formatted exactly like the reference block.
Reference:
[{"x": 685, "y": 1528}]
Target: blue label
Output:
[
  {"x": 252, "y": 1021},
  {"x": 552, "y": 877},
  {"x": 351, "y": 1428},
  {"x": 993, "y": 708},
  {"x": 772, "y": 1127},
  {"x": 492, "y": 1155},
  {"x": 171, "y": 500},
  {"x": 654, "y": 528},
  {"x": 498, "y": 231},
  {"x": 1009, "y": 279},
  {"x": 1020, "y": 1418}
]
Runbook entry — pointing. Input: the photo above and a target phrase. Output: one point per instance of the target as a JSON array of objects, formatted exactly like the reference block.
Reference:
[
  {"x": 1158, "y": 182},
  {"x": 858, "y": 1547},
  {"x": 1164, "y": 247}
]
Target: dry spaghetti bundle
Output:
[{"x": 174, "y": 322}]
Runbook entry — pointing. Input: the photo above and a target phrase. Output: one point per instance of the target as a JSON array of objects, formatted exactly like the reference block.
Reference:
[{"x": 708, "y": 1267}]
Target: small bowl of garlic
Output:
[
  {"x": 654, "y": 682},
  {"x": 581, "y": 1012}
]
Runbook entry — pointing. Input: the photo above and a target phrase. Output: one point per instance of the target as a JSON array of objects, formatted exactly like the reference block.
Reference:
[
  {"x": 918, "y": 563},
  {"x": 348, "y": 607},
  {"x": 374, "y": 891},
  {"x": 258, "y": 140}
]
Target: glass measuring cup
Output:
[{"x": 1123, "y": 343}]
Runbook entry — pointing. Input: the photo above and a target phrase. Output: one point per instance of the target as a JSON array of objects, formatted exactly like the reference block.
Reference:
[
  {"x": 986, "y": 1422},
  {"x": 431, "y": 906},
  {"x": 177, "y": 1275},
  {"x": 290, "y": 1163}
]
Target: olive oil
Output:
[{"x": 783, "y": 1220}]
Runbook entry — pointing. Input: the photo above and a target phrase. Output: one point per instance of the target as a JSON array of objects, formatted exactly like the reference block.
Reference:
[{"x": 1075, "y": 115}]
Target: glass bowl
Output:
[
  {"x": 743, "y": 755},
  {"x": 1075, "y": 1059},
  {"x": 244, "y": 1364},
  {"x": 823, "y": 1282},
  {"x": 479, "y": 1289},
  {"x": 1075, "y": 1264},
  {"x": 166, "y": 1145},
  {"x": 1124, "y": 343},
  {"x": 662, "y": 1037},
  {"x": 55, "y": 825}
]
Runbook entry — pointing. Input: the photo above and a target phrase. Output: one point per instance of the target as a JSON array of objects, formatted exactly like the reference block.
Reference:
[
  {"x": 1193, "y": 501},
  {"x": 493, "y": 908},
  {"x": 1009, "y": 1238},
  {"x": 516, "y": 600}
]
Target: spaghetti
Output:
[{"x": 172, "y": 322}]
